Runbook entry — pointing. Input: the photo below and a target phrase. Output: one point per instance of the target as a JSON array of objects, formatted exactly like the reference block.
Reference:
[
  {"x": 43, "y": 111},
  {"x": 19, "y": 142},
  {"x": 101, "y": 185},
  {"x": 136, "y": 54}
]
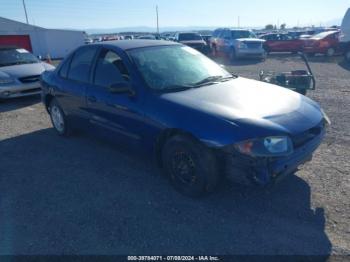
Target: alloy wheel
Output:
[{"x": 57, "y": 119}]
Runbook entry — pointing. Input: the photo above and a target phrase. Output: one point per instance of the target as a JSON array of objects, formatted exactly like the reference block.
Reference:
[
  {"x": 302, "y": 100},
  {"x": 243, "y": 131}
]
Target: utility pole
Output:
[
  {"x": 239, "y": 22},
  {"x": 157, "y": 20},
  {"x": 25, "y": 10}
]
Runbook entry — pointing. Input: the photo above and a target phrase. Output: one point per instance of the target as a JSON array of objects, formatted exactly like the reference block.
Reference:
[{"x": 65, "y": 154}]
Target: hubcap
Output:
[
  {"x": 330, "y": 52},
  {"x": 57, "y": 119},
  {"x": 183, "y": 168}
]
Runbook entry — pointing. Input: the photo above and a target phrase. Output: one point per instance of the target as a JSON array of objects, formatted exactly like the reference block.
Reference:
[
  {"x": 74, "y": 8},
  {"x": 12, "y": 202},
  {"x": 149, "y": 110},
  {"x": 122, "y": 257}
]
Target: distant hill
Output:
[{"x": 147, "y": 29}]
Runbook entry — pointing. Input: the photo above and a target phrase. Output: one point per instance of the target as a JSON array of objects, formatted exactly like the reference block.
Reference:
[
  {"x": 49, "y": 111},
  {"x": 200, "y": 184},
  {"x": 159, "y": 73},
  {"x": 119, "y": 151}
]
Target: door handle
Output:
[{"x": 92, "y": 99}]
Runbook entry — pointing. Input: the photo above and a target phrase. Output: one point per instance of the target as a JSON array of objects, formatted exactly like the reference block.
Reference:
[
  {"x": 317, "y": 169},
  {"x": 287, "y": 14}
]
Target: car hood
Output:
[
  {"x": 24, "y": 70},
  {"x": 251, "y": 40},
  {"x": 243, "y": 101}
]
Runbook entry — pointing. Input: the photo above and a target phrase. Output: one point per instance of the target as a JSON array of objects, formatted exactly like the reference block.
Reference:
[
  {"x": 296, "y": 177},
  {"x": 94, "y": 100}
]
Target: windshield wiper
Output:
[
  {"x": 176, "y": 88},
  {"x": 213, "y": 79}
]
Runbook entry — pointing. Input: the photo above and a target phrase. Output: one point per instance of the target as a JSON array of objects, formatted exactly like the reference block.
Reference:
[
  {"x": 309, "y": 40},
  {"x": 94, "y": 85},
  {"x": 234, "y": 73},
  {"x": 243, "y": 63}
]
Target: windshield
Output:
[
  {"x": 188, "y": 37},
  {"x": 322, "y": 35},
  {"x": 242, "y": 34},
  {"x": 170, "y": 68},
  {"x": 16, "y": 57}
]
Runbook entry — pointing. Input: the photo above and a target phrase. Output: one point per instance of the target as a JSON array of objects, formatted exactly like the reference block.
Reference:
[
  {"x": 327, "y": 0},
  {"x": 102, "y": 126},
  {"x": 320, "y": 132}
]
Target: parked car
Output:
[
  {"x": 20, "y": 72},
  {"x": 281, "y": 43},
  {"x": 236, "y": 43},
  {"x": 128, "y": 37},
  {"x": 345, "y": 36},
  {"x": 193, "y": 40},
  {"x": 199, "y": 120},
  {"x": 326, "y": 43},
  {"x": 147, "y": 37},
  {"x": 206, "y": 38}
]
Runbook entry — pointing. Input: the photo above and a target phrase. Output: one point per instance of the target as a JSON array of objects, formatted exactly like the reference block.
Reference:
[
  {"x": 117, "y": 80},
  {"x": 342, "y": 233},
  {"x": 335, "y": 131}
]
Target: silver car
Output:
[
  {"x": 236, "y": 43},
  {"x": 20, "y": 72}
]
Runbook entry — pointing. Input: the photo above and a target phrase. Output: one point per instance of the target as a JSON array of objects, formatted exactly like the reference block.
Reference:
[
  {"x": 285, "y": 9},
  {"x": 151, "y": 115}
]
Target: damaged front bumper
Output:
[{"x": 265, "y": 171}]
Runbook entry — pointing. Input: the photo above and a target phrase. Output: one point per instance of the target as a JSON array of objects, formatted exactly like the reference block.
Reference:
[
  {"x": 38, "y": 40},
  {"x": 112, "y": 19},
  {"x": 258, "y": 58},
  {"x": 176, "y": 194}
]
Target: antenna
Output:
[{"x": 25, "y": 10}]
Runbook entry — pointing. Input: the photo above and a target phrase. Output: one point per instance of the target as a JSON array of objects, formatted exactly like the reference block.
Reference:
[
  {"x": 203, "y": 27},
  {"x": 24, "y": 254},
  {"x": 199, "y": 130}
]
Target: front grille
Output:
[
  {"x": 30, "y": 79},
  {"x": 254, "y": 45},
  {"x": 304, "y": 137}
]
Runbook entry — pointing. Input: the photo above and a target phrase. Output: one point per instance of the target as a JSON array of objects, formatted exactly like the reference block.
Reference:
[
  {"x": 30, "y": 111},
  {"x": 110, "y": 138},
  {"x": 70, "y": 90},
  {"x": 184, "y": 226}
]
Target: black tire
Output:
[
  {"x": 62, "y": 130},
  {"x": 191, "y": 167}
]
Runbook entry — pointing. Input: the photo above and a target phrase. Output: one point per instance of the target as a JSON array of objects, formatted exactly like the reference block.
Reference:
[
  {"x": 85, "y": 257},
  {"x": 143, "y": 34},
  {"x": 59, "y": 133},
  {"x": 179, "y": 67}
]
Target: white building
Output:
[{"x": 40, "y": 41}]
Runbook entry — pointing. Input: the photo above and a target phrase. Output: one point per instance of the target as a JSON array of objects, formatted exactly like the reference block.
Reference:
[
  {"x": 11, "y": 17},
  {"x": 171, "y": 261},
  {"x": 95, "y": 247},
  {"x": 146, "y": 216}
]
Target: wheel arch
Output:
[{"x": 164, "y": 136}]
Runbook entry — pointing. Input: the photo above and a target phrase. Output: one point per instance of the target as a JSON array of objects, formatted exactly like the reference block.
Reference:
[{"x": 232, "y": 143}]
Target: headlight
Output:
[
  {"x": 5, "y": 81},
  {"x": 242, "y": 45},
  {"x": 328, "y": 121},
  {"x": 266, "y": 147}
]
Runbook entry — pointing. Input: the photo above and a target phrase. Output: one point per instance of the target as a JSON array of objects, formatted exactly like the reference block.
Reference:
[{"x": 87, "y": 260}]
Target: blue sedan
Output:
[{"x": 200, "y": 122}]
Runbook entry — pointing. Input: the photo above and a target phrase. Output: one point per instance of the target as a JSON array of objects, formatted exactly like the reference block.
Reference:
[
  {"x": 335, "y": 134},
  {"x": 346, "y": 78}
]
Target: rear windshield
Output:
[
  {"x": 18, "y": 56},
  {"x": 190, "y": 36},
  {"x": 242, "y": 34}
]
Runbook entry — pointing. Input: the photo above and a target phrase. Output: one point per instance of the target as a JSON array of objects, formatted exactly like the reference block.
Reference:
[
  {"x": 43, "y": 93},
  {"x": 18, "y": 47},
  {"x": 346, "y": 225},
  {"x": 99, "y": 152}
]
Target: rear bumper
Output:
[
  {"x": 20, "y": 90},
  {"x": 265, "y": 171}
]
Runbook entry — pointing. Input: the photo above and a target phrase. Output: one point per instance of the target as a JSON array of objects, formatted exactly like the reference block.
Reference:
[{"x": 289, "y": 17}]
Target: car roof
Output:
[{"x": 134, "y": 44}]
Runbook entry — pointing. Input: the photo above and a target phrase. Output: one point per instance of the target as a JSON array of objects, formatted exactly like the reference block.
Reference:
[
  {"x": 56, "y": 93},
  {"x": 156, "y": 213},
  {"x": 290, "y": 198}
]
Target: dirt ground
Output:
[{"x": 82, "y": 195}]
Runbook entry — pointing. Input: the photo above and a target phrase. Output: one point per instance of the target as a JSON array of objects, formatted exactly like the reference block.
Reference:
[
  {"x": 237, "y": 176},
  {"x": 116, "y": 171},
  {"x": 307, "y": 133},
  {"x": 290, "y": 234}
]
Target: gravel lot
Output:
[{"x": 83, "y": 195}]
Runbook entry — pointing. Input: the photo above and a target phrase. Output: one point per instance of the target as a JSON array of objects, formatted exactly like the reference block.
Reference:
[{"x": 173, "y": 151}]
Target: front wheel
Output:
[
  {"x": 190, "y": 166},
  {"x": 58, "y": 118}
]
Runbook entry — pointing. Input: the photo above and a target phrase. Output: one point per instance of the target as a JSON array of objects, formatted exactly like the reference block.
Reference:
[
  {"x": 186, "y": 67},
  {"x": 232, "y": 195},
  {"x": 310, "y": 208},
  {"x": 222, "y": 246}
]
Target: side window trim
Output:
[
  {"x": 90, "y": 69},
  {"x": 94, "y": 68},
  {"x": 68, "y": 62}
]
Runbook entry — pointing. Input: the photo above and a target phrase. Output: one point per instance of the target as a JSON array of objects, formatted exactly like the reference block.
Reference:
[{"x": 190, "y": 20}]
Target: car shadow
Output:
[
  {"x": 17, "y": 103},
  {"x": 81, "y": 195},
  {"x": 344, "y": 64}
]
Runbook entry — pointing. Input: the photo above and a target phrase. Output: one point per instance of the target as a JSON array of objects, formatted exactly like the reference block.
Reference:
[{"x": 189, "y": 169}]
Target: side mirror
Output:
[{"x": 121, "y": 88}]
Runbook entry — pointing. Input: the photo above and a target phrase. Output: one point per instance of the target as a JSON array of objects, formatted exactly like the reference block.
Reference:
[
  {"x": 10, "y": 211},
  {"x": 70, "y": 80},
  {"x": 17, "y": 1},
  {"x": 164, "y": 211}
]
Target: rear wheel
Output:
[
  {"x": 58, "y": 118},
  {"x": 330, "y": 52},
  {"x": 190, "y": 166}
]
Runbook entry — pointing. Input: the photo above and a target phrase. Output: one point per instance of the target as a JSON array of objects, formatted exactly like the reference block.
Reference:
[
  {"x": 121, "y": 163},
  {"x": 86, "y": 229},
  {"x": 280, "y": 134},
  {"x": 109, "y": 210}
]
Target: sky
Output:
[{"x": 91, "y": 14}]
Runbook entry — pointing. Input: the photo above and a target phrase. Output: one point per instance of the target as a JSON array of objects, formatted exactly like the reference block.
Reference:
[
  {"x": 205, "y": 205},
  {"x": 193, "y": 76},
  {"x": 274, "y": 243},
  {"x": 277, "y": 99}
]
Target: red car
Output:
[
  {"x": 326, "y": 43},
  {"x": 281, "y": 43}
]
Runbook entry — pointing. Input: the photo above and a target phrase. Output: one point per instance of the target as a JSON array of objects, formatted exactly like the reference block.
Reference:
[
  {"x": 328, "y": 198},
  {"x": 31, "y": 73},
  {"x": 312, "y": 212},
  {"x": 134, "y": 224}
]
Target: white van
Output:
[{"x": 345, "y": 38}]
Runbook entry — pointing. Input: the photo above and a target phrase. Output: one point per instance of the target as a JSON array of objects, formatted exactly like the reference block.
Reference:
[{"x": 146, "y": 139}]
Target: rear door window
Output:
[{"x": 81, "y": 64}]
